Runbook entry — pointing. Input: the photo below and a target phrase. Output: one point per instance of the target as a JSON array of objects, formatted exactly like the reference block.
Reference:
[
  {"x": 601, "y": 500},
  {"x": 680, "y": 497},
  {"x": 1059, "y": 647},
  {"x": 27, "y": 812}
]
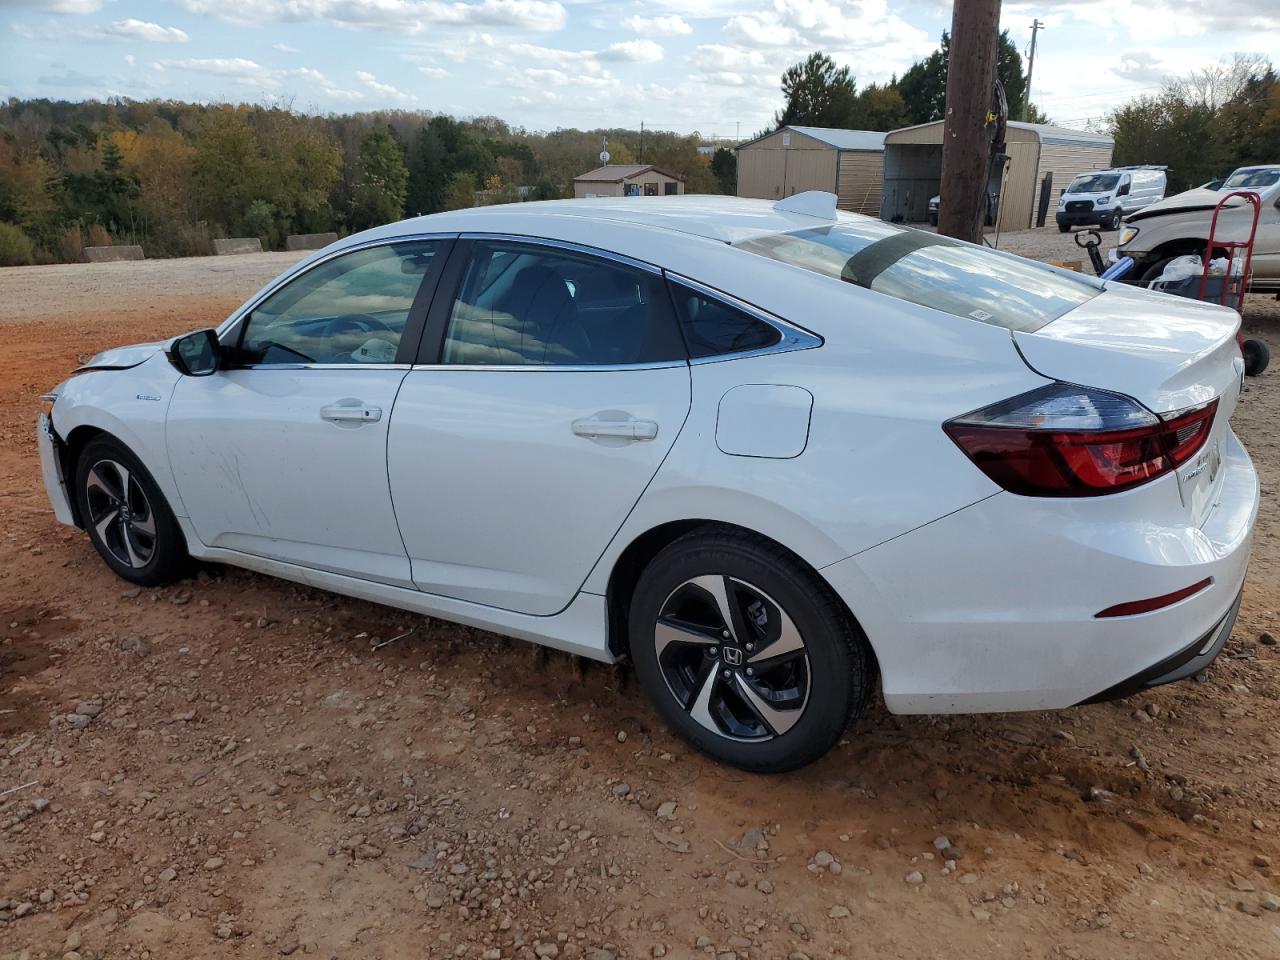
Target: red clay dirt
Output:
[{"x": 256, "y": 771}]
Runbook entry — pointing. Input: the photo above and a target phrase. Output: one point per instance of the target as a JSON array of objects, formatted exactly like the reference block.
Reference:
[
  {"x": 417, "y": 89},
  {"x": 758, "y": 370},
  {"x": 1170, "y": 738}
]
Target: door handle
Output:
[
  {"x": 350, "y": 411},
  {"x": 627, "y": 429}
]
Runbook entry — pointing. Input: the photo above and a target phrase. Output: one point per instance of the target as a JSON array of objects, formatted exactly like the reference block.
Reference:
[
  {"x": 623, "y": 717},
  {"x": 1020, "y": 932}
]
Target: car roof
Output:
[{"x": 718, "y": 218}]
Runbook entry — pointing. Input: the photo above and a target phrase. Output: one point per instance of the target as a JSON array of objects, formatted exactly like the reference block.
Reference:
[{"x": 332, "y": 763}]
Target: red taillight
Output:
[
  {"x": 1186, "y": 433},
  {"x": 1068, "y": 441},
  {"x": 1153, "y": 603}
]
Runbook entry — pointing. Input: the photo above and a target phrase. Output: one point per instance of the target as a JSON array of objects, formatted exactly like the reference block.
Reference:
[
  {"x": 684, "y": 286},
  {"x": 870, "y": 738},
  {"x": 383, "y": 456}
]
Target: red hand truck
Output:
[{"x": 1233, "y": 286}]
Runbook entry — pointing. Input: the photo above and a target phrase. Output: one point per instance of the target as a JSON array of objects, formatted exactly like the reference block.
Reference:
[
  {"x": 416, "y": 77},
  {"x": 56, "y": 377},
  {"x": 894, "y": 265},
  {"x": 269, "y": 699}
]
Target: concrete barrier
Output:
[
  {"x": 230, "y": 245},
  {"x": 111, "y": 254},
  {"x": 309, "y": 241}
]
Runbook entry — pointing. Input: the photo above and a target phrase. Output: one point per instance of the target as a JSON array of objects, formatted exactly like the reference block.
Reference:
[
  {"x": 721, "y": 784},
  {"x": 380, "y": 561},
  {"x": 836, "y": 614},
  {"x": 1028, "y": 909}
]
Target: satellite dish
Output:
[{"x": 604, "y": 156}]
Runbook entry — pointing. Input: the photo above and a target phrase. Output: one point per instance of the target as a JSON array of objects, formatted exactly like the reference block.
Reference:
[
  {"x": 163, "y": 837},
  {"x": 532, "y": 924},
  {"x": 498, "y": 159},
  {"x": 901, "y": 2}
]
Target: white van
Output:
[{"x": 1104, "y": 197}]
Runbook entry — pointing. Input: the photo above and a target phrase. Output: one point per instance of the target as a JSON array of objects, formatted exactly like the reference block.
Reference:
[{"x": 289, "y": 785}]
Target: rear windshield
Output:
[
  {"x": 1252, "y": 179},
  {"x": 924, "y": 268},
  {"x": 1094, "y": 183}
]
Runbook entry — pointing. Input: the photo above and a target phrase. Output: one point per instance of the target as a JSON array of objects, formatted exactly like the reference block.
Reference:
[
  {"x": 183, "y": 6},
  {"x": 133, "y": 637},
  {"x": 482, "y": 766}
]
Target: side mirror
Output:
[
  {"x": 1123, "y": 191},
  {"x": 196, "y": 354}
]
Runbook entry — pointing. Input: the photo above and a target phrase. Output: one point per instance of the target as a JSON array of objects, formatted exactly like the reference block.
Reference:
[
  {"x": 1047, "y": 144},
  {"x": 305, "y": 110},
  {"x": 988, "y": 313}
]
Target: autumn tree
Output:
[
  {"x": 228, "y": 168},
  {"x": 460, "y": 192},
  {"x": 382, "y": 181}
]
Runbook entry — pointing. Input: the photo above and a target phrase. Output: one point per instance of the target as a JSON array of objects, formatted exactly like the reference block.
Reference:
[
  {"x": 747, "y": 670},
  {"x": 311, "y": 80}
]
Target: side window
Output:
[
  {"x": 521, "y": 304},
  {"x": 712, "y": 327},
  {"x": 351, "y": 309}
]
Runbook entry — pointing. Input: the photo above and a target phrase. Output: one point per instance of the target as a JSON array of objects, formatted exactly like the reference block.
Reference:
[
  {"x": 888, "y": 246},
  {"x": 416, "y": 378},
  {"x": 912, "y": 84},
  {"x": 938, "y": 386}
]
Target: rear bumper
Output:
[
  {"x": 993, "y": 608},
  {"x": 51, "y": 470},
  {"x": 1187, "y": 662}
]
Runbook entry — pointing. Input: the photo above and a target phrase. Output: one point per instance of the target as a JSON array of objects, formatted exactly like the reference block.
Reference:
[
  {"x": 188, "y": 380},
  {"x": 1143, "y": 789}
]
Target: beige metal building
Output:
[
  {"x": 795, "y": 159},
  {"x": 1042, "y": 159},
  {"x": 627, "y": 180}
]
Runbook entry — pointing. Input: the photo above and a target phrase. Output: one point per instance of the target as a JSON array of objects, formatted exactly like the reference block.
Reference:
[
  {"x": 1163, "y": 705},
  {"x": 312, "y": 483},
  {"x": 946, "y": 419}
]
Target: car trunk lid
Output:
[{"x": 1168, "y": 353}]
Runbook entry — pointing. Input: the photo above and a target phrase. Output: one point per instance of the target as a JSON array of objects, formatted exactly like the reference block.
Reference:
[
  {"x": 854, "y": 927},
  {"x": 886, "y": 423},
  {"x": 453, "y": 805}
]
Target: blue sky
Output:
[{"x": 705, "y": 65}]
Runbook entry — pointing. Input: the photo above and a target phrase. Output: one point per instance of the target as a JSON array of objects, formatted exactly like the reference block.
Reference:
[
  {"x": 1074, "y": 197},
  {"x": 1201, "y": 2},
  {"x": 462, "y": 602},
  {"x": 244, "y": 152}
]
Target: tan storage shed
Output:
[
  {"x": 795, "y": 159},
  {"x": 627, "y": 180},
  {"x": 913, "y": 169}
]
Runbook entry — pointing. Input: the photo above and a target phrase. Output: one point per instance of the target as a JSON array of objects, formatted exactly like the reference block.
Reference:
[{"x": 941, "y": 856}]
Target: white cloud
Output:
[
  {"x": 668, "y": 26},
  {"x": 761, "y": 30},
  {"x": 435, "y": 73},
  {"x": 143, "y": 30},
  {"x": 64, "y": 6},
  {"x": 411, "y": 16},
  {"x": 710, "y": 57},
  {"x": 249, "y": 73},
  {"x": 564, "y": 59},
  {"x": 219, "y": 66},
  {"x": 727, "y": 78},
  {"x": 285, "y": 48},
  {"x": 1141, "y": 66},
  {"x": 632, "y": 51},
  {"x": 1146, "y": 19},
  {"x": 385, "y": 89},
  {"x": 130, "y": 59}
]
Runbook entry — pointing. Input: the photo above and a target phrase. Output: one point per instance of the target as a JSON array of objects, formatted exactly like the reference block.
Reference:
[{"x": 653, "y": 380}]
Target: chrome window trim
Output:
[
  {"x": 568, "y": 245},
  {"x": 793, "y": 337},
  {"x": 553, "y": 367},
  {"x": 322, "y": 366},
  {"x": 306, "y": 266}
]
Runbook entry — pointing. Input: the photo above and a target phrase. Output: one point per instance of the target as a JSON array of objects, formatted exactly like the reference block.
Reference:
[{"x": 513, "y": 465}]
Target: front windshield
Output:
[
  {"x": 1252, "y": 179},
  {"x": 1093, "y": 183},
  {"x": 934, "y": 271}
]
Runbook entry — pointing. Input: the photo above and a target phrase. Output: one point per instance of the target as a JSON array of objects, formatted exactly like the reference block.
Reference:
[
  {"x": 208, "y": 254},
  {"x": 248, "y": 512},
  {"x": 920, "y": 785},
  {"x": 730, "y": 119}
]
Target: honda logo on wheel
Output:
[{"x": 733, "y": 656}]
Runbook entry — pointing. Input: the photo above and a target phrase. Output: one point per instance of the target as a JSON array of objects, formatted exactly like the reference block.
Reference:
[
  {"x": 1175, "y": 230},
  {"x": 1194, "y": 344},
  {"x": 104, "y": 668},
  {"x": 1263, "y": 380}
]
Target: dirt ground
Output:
[{"x": 243, "y": 767}]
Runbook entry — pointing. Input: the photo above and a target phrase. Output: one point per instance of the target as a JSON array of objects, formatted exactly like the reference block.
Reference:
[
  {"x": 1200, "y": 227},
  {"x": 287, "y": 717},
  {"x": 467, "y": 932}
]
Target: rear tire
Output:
[
  {"x": 718, "y": 684},
  {"x": 1064, "y": 228},
  {"x": 126, "y": 516}
]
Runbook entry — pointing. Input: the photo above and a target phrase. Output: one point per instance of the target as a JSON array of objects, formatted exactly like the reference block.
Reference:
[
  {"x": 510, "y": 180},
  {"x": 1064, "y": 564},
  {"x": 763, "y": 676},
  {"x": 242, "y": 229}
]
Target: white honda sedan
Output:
[{"x": 767, "y": 453}]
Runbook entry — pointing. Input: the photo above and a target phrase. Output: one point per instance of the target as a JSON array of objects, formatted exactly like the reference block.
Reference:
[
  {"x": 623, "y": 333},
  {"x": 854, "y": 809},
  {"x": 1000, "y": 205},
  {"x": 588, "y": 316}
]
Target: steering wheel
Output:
[{"x": 354, "y": 321}]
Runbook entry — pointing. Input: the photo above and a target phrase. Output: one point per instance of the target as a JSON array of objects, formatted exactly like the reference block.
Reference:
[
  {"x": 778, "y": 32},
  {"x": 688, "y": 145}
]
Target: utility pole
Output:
[
  {"x": 1036, "y": 27},
  {"x": 642, "y": 141},
  {"x": 966, "y": 145}
]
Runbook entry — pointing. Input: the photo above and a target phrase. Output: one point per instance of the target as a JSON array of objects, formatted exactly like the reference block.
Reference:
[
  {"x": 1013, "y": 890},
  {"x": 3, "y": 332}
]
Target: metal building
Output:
[
  {"x": 1042, "y": 157},
  {"x": 795, "y": 159}
]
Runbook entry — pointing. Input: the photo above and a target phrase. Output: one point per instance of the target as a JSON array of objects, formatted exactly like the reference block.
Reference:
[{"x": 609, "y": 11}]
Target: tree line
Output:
[
  {"x": 172, "y": 176},
  {"x": 820, "y": 94},
  {"x": 1201, "y": 126},
  {"x": 1206, "y": 124}
]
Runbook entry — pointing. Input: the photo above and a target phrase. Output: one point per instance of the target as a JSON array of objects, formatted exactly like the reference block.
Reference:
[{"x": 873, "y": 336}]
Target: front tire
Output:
[
  {"x": 747, "y": 654},
  {"x": 126, "y": 516}
]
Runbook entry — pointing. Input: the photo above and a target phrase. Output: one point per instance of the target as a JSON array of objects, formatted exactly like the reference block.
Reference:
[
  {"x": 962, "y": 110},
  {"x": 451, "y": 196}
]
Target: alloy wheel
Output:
[
  {"x": 732, "y": 658},
  {"x": 120, "y": 513}
]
